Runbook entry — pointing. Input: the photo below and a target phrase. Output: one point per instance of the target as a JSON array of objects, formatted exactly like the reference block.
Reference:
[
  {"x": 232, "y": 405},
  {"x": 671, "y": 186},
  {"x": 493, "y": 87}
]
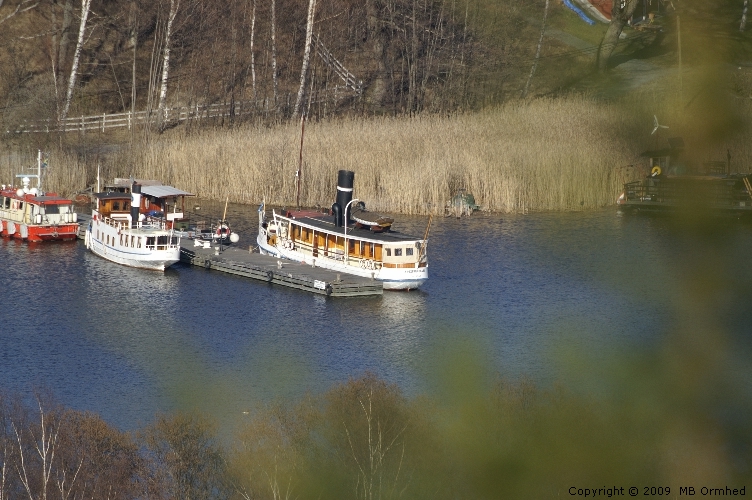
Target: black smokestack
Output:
[
  {"x": 344, "y": 193},
  {"x": 135, "y": 203},
  {"x": 337, "y": 213}
]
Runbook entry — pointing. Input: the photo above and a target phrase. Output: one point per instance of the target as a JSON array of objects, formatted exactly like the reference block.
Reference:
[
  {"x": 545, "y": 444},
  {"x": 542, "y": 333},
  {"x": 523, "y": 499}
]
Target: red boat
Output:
[{"x": 30, "y": 215}]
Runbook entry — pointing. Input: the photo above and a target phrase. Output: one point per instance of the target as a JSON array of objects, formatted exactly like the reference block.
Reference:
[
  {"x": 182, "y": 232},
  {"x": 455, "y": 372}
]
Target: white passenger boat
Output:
[
  {"x": 120, "y": 233},
  {"x": 366, "y": 246}
]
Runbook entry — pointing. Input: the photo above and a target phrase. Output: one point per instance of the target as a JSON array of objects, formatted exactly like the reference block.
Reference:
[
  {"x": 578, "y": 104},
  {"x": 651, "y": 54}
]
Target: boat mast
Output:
[
  {"x": 39, "y": 171},
  {"x": 425, "y": 238}
]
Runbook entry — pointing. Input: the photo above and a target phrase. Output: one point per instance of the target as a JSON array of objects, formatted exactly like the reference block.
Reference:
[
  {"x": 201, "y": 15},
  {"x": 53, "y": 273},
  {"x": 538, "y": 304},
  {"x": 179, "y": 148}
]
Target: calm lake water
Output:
[{"x": 127, "y": 343}]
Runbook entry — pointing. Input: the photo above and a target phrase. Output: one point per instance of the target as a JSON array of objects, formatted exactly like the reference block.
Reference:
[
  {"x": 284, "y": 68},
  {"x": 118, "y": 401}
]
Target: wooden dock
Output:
[
  {"x": 241, "y": 262},
  {"x": 83, "y": 223}
]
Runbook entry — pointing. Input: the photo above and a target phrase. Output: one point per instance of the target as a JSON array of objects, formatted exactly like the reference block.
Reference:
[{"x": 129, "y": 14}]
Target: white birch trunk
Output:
[
  {"x": 274, "y": 51},
  {"x": 306, "y": 55},
  {"x": 253, "y": 56},
  {"x": 174, "y": 6},
  {"x": 20, "y": 8},
  {"x": 743, "y": 23},
  {"x": 537, "y": 52},
  {"x": 85, "y": 5}
]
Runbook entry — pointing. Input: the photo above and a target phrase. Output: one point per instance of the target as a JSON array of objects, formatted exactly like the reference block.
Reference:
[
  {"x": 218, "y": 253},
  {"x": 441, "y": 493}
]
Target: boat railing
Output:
[
  {"x": 174, "y": 243},
  {"x": 337, "y": 254},
  {"x": 715, "y": 193},
  {"x": 124, "y": 224}
]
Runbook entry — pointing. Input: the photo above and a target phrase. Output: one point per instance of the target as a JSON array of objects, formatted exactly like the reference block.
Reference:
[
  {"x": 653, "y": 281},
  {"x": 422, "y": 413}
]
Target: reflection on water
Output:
[{"x": 127, "y": 343}]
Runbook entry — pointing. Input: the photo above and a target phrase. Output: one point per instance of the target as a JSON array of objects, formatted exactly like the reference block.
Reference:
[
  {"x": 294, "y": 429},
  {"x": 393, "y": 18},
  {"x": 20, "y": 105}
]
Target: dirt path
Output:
[{"x": 633, "y": 69}]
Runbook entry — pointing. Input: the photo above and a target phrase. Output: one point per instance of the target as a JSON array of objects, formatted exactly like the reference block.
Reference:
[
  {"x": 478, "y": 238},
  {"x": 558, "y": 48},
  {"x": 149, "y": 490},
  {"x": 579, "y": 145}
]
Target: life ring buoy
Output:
[
  {"x": 269, "y": 276},
  {"x": 207, "y": 264},
  {"x": 223, "y": 231},
  {"x": 656, "y": 171}
]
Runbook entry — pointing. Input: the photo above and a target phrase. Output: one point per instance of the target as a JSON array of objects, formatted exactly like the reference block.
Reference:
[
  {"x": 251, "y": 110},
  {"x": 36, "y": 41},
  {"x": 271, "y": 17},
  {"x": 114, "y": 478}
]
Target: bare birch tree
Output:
[
  {"x": 537, "y": 52},
  {"x": 253, "y": 56},
  {"x": 174, "y": 6},
  {"x": 306, "y": 55},
  {"x": 45, "y": 444},
  {"x": 85, "y": 7},
  {"x": 274, "y": 51},
  {"x": 743, "y": 23},
  {"x": 621, "y": 12},
  {"x": 22, "y": 7}
]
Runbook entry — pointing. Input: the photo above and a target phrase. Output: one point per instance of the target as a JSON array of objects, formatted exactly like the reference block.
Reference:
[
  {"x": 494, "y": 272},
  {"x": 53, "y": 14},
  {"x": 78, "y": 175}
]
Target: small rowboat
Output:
[{"x": 371, "y": 220}]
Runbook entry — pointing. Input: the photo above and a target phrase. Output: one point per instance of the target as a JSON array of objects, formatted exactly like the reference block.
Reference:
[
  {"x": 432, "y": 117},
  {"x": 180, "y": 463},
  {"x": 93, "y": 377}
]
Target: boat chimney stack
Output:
[
  {"x": 344, "y": 196},
  {"x": 135, "y": 203}
]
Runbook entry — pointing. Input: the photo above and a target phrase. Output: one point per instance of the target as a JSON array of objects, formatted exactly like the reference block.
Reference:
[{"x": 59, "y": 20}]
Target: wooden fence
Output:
[{"x": 351, "y": 86}]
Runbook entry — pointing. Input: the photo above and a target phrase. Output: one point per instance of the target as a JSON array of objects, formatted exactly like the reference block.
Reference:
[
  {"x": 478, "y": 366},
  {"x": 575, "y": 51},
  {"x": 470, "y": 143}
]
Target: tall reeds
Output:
[{"x": 551, "y": 154}]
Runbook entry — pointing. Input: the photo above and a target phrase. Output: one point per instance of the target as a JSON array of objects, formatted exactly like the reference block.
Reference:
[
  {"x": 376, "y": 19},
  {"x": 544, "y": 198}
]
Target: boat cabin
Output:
[
  {"x": 115, "y": 205},
  {"x": 157, "y": 200},
  {"x": 319, "y": 237},
  {"x": 32, "y": 208}
]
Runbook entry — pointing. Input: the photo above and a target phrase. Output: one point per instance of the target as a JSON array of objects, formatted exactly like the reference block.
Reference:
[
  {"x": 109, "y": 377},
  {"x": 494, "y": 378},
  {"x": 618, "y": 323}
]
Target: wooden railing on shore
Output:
[
  {"x": 350, "y": 86},
  {"x": 129, "y": 120}
]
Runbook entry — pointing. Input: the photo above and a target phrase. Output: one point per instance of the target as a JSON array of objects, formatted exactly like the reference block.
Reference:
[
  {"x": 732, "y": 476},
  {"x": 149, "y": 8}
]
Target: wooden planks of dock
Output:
[{"x": 234, "y": 260}]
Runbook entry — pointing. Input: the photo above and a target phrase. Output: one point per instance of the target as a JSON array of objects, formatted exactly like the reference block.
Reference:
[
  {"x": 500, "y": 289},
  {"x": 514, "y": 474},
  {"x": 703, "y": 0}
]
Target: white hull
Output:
[
  {"x": 152, "y": 257},
  {"x": 392, "y": 279}
]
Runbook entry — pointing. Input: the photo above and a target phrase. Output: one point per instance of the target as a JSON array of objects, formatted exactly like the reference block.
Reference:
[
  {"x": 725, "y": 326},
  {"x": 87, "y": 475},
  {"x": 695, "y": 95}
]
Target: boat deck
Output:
[
  {"x": 718, "y": 193},
  {"x": 326, "y": 223},
  {"x": 234, "y": 260}
]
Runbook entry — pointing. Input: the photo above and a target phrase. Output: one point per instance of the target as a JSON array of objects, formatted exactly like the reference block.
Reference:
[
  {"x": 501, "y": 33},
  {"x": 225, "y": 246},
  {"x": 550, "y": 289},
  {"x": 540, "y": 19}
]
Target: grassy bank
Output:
[{"x": 543, "y": 155}]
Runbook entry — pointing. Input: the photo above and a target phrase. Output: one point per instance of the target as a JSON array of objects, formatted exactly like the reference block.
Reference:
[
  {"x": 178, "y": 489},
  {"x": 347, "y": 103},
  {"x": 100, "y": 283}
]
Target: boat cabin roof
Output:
[
  {"x": 121, "y": 183},
  {"x": 45, "y": 199},
  {"x": 113, "y": 196},
  {"x": 151, "y": 188},
  {"x": 162, "y": 191},
  {"x": 325, "y": 223},
  {"x": 50, "y": 200}
]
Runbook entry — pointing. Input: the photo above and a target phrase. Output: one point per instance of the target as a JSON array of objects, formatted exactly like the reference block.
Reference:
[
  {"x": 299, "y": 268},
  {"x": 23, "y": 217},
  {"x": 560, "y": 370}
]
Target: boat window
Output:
[
  {"x": 150, "y": 241},
  {"x": 398, "y": 252},
  {"x": 408, "y": 251},
  {"x": 163, "y": 240},
  {"x": 20, "y": 206},
  {"x": 174, "y": 241},
  {"x": 126, "y": 205},
  {"x": 116, "y": 205},
  {"x": 7, "y": 202},
  {"x": 52, "y": 209},
  {"x": 388, "y": 252}
]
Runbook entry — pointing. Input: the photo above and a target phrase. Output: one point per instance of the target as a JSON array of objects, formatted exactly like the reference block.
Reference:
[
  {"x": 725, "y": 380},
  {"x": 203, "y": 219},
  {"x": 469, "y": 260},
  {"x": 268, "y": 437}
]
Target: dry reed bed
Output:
[
  {"x": 66, "y": 176},
  {"x": 543, "y": 155}
]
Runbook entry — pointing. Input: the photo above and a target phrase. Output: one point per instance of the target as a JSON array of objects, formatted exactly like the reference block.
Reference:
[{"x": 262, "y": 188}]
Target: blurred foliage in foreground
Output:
[{"x": 661, "y": 420}]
